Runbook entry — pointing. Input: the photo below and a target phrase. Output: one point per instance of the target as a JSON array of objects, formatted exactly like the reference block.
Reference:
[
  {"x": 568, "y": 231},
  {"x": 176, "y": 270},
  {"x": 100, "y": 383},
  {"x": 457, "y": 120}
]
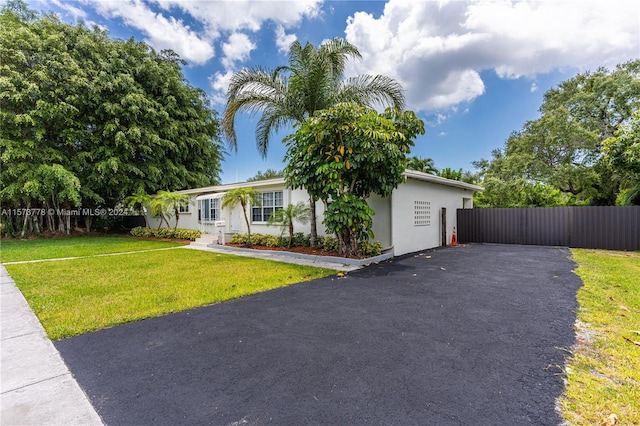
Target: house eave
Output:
[
  {"x": 229, "y": 186},
  {"x": 427, "y": 177}
]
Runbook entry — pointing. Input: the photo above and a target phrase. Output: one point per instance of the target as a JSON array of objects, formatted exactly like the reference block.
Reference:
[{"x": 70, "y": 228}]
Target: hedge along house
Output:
[{"x": 420, "y": 213}]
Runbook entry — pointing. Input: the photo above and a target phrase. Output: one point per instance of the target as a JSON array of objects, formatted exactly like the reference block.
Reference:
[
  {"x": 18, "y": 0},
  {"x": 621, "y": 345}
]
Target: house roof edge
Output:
[{"x": 427, "y": 177}]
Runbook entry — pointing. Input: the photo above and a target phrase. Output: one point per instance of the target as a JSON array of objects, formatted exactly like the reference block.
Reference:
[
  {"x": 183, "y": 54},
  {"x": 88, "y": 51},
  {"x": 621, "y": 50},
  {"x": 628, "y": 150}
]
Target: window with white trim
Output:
[
  {"x": 270, "y": 202},
  {"x": 184, "y": 208},
  {"x": 208, "y": 210}
]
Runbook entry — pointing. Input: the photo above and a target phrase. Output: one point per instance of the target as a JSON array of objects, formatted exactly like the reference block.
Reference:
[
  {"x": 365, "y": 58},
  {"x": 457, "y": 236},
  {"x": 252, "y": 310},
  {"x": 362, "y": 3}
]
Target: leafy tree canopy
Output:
[
  {"x": 342, "y": 155},
  {"x": 562, "y": 151},
  {"x": 267, "y": 174},
  {"x": 116, "y": 115},
  {"x": 425, "y": 165},
  {"x": 622, "y": 154},
  {"x": 312, "y": 80}
]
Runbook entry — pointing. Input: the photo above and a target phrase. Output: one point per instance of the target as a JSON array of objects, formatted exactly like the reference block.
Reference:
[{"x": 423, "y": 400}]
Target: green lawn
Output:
[
  {"x": 52, "y": 248},
  {"x": 72, "y": 297},
  {"x": 603, "y": 376}
]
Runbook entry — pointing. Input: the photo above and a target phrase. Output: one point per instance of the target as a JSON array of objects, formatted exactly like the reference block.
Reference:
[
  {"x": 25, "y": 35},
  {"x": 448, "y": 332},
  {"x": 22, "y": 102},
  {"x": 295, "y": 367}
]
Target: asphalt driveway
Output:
[{"x": 473, "y": 335}]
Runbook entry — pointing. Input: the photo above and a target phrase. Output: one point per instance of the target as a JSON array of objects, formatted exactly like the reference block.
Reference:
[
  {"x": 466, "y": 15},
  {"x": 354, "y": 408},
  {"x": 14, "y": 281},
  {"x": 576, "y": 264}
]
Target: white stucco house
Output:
[{"x": 413, "y": 218}]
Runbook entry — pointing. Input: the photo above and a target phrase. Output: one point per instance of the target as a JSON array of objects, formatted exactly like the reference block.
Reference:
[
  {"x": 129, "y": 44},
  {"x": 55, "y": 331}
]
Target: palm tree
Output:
[
  {"x": 286, "y": 216},
  {"x": 425, "y": 165},
  {"x": 139, "y": 201},
  {"x": 166, "y": 203},
  {"x": 244, "y": 197},
  {"x": 313, "y": 80}
]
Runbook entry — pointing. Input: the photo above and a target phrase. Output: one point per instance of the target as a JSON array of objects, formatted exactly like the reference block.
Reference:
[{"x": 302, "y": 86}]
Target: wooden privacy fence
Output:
[{"x": 612, "y": 228}]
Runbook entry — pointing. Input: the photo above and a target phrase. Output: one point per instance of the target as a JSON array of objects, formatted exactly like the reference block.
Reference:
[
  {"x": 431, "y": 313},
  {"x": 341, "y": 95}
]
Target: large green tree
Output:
[
  {"x": 344, "y": 154},
  {"x": 563, "y": 149},
  {"x": 116, "y": 115},
  {"x": 622, "y": 154},
  {"x": 313, "y": 80}
]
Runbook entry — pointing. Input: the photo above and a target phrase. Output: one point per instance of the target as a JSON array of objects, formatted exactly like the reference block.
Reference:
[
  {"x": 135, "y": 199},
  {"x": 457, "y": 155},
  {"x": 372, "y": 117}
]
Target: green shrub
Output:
[
  {"x": 187, "y": 234},
  {"x": 180, "y": 233},
  {"x": 140, "y": 231},
  {"x": 239, "y": 239},
  {"x": 367, "y": 248},
  {"x": 283, "y": 241},
  {"x": 300, "y": 240},
  {"x": 370, "y": 248},
  {"x": 271, "y": 241},
  {"x": 329, "y": 243},
  {"x": 163, "y": 233},
  {"x": 258, "y": 239}
]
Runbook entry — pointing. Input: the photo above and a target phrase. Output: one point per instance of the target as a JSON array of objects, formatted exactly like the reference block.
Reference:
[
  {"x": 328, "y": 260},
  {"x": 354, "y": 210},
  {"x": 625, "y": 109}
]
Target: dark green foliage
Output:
[
  {"x": 287, "y": 216},
  {"x": 622, "y": 154},
  {"x": 370, "y": 248},
  {"x": 350, "y": 217},
  {"x": 461, "y": 175},
  {"x": 558, "y": 158},
  {"x": 114, "y": 116},
  {"x": 424, "y": 165},
  {"x": 178, "y": 233},
  {"x": 342, "y": 155},
  {"x": 367, "y": 248},
  {"x": 312, "y": 80},
  {"x": 267, "y": 174}
]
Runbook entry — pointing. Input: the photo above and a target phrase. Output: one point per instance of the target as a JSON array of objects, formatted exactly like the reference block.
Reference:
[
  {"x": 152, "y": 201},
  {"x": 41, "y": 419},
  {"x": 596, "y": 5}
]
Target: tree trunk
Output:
[
  {"x": 25, "y": 223},
  {"x": 246, "y": 219},
  {"x": 144, "y": 215},
  {"x": 290, "y": 232},
  {"x": 314, "y": 227},
  {"x": 87, "y": 222}
]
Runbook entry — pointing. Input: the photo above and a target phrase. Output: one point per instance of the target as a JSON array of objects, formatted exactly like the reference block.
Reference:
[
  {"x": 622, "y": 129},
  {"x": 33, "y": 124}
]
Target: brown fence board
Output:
[{"x": 612, "y": 228}]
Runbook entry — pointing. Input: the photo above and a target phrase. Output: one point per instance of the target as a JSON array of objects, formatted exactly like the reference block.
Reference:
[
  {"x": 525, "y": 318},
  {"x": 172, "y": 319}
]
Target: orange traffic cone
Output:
[{"x": 454, "y": 238}]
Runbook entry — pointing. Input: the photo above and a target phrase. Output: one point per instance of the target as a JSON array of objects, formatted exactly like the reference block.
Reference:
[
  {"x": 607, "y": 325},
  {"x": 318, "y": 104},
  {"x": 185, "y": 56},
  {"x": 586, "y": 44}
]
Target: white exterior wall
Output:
[
  {"x": 235, "y": 221},
  {"x": 409, "y": 237},
  {"x": 394, "y": 222},
  {"x": 381, "y": 220}
]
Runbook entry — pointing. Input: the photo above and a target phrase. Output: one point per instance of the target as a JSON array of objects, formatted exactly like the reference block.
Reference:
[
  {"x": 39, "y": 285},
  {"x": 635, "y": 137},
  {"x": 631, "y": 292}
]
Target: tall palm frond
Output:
[
  {"x": 252, "y": 90},
  {"x": 311, "y": 81},
  {"x": 371, "y": 90}
]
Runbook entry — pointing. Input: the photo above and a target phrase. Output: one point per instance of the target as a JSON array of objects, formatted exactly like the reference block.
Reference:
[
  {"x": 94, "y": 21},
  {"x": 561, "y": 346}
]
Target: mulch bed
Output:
[{"x": 303, "y": 250}]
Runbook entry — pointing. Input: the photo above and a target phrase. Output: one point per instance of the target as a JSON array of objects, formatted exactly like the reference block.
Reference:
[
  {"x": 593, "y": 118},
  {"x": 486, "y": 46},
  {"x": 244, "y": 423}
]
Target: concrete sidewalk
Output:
[
  {"x": 281, "y": 257},
  {"x": 36, "y": 387}
]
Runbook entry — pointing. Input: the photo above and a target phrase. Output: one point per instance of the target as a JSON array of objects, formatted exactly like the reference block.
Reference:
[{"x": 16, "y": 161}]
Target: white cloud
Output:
[
  {"x": 238, "y": 48},
  {"x": 75, "y": 12},
  {"x": 438, "y": 49},
  {"x": 219, "y": 84},
  {"x": 283, "y": 40},
  {"x": 534, "y": 87},
  {"x": 213, "y": 19},
  {"x": 246, "y": 14},
  {"x": 161, "y": 32}
]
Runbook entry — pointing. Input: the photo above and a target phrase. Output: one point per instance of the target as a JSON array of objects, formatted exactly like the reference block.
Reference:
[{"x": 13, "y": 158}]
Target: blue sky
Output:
[{"x": 474, "y": 71}]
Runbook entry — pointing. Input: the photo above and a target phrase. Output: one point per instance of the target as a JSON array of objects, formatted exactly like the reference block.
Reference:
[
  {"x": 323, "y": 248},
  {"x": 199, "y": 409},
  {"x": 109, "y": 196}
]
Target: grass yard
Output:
[
  {"x": 603, "y": 376},
  {"x": 72, "y": 297},
  {"x": 52, "y": 248}
]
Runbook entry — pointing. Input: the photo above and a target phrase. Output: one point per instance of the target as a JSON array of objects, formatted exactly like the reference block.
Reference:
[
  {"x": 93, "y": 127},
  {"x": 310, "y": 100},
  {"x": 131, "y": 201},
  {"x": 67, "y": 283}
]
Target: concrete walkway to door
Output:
[{"x": 467, "y": 335}]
